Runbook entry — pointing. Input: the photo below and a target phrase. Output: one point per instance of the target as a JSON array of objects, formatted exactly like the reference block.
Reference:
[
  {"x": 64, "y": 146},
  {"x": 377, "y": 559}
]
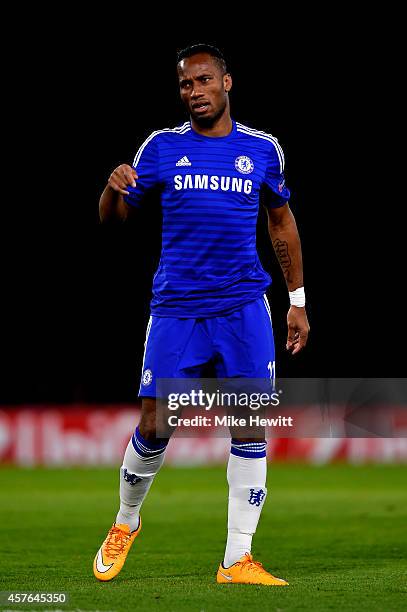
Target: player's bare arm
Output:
[
  {"x": 112, "y": 206},
  {"x": 287, "y": 247}
]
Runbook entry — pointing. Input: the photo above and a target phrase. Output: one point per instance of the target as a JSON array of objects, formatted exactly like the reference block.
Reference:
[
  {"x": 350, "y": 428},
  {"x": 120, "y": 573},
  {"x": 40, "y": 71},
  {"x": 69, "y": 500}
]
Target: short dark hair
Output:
[{"x": 203, "y": 48}]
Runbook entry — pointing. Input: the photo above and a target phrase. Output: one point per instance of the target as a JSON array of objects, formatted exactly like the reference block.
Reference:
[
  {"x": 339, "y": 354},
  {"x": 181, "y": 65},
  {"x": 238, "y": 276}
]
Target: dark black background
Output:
[{"x": 75, "y": 294}]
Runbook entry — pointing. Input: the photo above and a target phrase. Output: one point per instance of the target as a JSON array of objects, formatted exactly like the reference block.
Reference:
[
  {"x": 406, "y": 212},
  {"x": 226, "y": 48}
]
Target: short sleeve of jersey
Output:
[
  {"x": 146, "y": 165},
  {"x": 277, "y": 193}
]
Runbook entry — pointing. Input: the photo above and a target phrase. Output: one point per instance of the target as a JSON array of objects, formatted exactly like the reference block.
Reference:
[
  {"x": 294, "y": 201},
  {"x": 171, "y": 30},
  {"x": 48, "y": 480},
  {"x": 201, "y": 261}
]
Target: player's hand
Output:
[
  {"x": 298, "y": 329},
  {"x": 121, "y": 177}
]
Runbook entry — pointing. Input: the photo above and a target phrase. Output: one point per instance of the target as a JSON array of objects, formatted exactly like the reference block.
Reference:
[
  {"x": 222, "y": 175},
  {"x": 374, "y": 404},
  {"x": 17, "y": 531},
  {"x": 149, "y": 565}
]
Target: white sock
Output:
[
  {"x": 142, "y": 461},
  {"x": 247, "y": 491}
]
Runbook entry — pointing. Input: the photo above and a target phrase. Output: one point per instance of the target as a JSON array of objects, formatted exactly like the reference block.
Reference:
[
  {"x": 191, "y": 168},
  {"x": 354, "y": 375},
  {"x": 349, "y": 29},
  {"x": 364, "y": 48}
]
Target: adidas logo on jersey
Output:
[{"x": 184, "y": 161}]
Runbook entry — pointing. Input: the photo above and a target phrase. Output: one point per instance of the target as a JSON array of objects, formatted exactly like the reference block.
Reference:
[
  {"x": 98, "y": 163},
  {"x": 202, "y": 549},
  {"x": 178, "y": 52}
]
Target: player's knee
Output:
[
  {"x": 148, "y": 420},
  {"x": 148, "y": 429}
]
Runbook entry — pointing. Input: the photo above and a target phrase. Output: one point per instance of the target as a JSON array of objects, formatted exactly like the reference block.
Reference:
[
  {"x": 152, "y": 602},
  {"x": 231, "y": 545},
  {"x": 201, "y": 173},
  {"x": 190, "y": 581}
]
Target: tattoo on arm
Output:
[{"x": 283, "y": 256}]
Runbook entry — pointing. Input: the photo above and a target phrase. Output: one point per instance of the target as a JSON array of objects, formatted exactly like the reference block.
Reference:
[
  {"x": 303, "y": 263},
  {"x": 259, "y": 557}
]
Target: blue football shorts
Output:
[{"x": 239, "y": 344}]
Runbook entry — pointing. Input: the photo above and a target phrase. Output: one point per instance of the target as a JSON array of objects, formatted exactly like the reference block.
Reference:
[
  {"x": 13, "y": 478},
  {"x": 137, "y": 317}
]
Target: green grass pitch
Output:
[{"x": 336, "y": 533}]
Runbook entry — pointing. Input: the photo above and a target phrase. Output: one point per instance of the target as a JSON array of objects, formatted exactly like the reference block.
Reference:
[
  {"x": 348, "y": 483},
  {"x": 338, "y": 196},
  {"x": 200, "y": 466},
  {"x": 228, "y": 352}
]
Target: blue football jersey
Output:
[{"x": 210, "y": 191}]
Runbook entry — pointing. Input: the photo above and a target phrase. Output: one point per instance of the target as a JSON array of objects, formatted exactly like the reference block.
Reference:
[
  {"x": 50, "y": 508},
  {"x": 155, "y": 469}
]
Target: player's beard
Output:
[{"x": 208, "y": 122}]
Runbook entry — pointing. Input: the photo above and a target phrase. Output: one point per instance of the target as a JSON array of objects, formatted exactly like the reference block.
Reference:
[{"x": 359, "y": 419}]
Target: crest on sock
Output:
[
  {"x": 256, "y": 496},
  {"x": 131, "y": 478}
]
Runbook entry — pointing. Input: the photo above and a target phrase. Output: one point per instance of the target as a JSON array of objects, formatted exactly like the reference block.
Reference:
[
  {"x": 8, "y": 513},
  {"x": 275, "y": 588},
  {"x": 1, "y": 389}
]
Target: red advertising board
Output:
[{"x": 98, "y": 435}]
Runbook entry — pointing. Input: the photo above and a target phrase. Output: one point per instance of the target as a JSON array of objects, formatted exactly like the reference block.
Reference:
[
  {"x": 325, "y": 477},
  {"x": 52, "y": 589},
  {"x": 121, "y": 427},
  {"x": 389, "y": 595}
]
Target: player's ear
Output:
[{"x": 227, "y": 82}]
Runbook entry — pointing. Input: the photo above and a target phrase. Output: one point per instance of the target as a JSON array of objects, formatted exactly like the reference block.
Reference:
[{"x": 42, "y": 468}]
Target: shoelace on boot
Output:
[
  {"x": 251, "y": 565},
  {"x": 116, "y": 542}
]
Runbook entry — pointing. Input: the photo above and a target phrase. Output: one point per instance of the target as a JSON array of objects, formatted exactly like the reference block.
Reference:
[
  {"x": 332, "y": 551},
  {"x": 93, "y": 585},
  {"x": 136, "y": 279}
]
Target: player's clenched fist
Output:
[{"x": 121, "y": 177}]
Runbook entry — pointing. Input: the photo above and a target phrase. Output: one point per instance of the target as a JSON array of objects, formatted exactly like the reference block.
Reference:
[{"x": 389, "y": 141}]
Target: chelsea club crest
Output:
[
  {"x": 244, "y": 164},
  {"x": 147, "y": 378}
]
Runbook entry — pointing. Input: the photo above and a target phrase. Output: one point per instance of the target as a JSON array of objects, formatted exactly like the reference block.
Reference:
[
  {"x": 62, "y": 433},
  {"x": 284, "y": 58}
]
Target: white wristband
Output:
[{"x": 297, "y": 297}]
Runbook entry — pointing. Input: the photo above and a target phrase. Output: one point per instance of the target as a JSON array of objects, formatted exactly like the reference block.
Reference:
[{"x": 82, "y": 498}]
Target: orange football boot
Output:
[
  {"x": 247, "y": 571},
  {"x": 112, "y": 554}
]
